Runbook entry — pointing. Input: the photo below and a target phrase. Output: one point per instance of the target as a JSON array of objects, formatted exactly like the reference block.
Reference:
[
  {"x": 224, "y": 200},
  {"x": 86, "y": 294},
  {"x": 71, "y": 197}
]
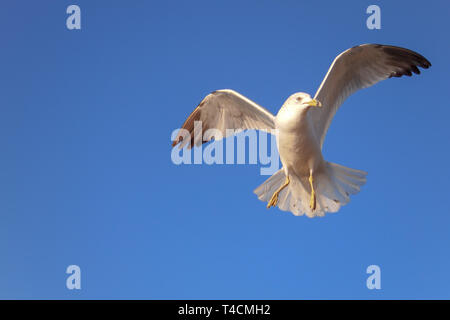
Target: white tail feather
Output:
[{"x": 333, "y": 187}]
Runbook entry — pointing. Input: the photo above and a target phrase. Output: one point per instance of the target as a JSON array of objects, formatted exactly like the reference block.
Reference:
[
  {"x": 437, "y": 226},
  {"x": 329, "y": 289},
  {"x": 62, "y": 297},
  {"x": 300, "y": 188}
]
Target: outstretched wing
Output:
[
  {"x": 222, "y": 110},
  {"x": 356, "y": 68}
]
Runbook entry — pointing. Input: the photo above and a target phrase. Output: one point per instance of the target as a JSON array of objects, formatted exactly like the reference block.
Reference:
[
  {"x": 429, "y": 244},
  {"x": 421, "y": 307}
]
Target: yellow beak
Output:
[{"x": 314, "y": 103}]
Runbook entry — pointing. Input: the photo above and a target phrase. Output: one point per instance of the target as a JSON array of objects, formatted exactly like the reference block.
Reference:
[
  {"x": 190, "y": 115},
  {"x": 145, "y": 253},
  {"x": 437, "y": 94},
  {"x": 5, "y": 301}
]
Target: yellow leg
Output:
[
  {"x": 312, "y": 202},
  {"x": 274, "y": 200}
]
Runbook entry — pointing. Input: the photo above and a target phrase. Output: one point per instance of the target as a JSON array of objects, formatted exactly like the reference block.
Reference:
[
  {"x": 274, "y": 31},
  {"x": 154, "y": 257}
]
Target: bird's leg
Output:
[
  {"x": 312, "y": 202},
  {"x": 274, "y": 200}
]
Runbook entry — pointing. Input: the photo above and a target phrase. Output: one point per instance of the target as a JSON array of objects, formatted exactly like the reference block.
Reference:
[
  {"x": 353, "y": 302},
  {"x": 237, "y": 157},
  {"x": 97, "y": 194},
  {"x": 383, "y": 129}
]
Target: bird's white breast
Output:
[{"x": 298, "y": 147}]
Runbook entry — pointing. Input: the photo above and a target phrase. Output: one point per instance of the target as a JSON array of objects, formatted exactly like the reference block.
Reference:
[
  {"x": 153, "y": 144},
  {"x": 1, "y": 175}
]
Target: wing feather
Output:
[
  {"x": 222, "y": 110},
  {"x": 357, "y": 68}
]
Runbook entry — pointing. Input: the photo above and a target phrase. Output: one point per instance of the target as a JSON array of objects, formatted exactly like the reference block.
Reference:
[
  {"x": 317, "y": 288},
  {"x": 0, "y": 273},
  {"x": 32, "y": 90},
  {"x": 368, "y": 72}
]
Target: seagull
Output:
[{"x": 306, "y": 183}]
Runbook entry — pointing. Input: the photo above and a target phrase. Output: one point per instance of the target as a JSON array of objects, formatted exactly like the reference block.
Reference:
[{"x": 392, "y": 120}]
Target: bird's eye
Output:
[{"x": 299, "y": 99}]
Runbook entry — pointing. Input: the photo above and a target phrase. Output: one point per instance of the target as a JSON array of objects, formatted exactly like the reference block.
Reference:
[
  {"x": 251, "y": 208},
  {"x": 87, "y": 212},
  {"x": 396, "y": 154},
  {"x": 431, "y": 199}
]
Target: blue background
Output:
[{"x": 86, "y": 176}]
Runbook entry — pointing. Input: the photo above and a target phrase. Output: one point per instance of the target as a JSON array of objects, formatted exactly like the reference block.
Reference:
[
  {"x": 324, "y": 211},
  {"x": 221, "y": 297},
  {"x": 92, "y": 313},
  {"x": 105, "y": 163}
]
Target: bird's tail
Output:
[{"x": 333, "y": 187}]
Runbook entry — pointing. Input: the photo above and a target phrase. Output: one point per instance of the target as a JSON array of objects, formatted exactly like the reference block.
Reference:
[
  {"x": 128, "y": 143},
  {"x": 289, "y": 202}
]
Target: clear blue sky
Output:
[{"x": 86, "y": 176}]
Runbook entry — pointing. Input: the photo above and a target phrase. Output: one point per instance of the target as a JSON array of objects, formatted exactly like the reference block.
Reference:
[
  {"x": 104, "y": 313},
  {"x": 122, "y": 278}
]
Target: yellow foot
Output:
[
  {"x": 274, "y": 199},
  {"x": 312, "y": 201}
]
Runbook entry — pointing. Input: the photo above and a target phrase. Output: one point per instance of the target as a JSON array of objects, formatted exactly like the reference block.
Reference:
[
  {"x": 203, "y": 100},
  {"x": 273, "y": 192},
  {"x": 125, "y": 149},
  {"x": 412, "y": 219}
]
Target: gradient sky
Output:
[{"x": 86, "y": 176}]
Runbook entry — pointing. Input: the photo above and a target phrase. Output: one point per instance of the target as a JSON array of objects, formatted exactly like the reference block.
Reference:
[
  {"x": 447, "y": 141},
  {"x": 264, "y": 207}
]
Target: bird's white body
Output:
[
  {"x": 315, "y": 185},
  {"x": 297, "y": 143}
]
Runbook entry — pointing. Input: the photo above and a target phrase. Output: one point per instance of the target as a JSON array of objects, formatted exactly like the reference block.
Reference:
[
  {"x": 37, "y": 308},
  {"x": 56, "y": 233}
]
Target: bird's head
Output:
[{"x": 302, "y": 100}]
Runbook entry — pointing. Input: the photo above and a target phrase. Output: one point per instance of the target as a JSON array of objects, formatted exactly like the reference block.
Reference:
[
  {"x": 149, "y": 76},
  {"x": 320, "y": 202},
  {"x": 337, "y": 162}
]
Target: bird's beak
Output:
[{"x": 314, "y": 103}]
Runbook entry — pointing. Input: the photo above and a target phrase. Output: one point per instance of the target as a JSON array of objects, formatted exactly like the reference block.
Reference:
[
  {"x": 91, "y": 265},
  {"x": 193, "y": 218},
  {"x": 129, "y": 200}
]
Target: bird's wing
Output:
[
  {"x": 356, "y": 68},
  {"x": 222, "y": 110}
]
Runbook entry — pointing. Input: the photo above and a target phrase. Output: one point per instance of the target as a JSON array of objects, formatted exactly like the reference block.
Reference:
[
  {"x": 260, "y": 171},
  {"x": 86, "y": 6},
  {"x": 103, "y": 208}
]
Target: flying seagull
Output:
[{"x": 306, "y": 184}]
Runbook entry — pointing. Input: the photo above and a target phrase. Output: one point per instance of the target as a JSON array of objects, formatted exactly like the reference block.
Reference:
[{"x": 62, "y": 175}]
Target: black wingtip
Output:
[{"x": 406, "y": 60}]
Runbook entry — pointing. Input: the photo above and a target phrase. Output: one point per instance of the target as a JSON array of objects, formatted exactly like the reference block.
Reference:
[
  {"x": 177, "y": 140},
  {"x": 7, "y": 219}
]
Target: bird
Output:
[{"x": 306, "y": 184}]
